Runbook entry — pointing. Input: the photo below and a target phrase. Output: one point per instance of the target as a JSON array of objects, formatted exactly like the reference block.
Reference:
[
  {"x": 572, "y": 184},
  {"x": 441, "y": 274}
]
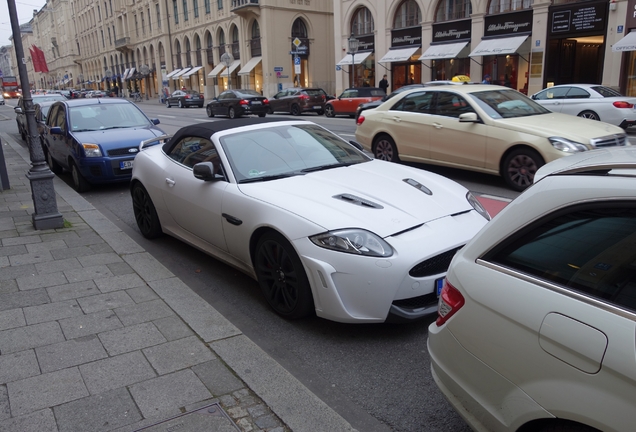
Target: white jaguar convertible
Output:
[{"x": 321, "y": 226}]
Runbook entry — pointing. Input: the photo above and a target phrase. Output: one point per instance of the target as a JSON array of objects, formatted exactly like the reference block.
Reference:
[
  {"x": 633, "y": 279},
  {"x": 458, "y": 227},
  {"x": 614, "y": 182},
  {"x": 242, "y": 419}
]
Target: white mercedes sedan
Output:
[{"x": 322, "y": 227}]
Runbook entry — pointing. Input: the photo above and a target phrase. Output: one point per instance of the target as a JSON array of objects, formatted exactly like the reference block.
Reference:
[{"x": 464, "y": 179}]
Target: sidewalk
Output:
[{"x": 97, "y": 335}]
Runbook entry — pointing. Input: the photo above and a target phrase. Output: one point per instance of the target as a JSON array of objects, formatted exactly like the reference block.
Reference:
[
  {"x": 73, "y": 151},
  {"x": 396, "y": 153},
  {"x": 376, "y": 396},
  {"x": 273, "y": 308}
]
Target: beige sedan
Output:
[{"x": 485, "y": 128}]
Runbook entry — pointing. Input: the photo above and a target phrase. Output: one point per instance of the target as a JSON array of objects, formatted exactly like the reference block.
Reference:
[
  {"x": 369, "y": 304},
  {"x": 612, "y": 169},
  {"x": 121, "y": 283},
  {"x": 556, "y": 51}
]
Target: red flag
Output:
[
  {"x": 35, "y": 60},
  {"x": 43, "y": 66}
]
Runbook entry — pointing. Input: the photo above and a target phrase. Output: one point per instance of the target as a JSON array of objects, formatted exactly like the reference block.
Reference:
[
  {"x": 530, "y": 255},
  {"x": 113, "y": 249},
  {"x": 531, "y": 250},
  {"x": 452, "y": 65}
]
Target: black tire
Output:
[
  {"x": 168, "y": 103},
  {"x": 519, "y": 167},
  {"x": 232, "y": 113},
  {"x": 384, "y": 149},
  {"x": 79, "y": 182},
  {"x": 295, "y": 110},
  {"x": 562, "y": 426},
  {"x": 55, "y": 167},
  {"x": 181, "y": 105},
  {"x": 145, "y": 212},
  {"x": 262, "y": 114},
  {"x": 282, "y": 277},
  {"x": 208, "y": 110},
  {"x": 590, "y": 115},
  {"x": 329, "y": 111}
]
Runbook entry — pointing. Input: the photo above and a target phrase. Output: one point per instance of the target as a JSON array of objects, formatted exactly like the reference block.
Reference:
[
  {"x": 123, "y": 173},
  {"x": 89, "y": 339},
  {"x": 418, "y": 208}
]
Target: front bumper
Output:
[{"x": 105, "y": 169}]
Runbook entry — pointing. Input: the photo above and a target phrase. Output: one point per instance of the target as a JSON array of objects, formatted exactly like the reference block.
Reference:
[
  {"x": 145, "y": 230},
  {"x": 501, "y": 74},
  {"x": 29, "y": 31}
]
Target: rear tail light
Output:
[
  {"x": 360, "y": 120},
  {"x": 304, "y": 97},
  {"x": 201, "y": 96},
  {"x": 265, "y": 101},
  {"x": 450, "y": 301},
  {"x": 244, "y": 102},
  {"x": 623, "y": 104},
  {"x": 187, "y": 96}
]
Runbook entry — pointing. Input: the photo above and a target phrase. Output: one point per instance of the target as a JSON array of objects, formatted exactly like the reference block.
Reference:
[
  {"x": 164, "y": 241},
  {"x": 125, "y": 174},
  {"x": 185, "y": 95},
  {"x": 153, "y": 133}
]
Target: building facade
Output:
[
  {"x": 524, "y": 44},
  {"x": 157, "y": 46}
]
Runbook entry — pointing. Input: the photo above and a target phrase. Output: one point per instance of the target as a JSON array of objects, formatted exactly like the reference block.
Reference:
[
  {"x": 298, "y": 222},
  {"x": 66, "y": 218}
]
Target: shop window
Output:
[
  {"x": 407, "y": 15},
  {"x": 501, "y": 6},
  {"x": 362, "y": 23}
]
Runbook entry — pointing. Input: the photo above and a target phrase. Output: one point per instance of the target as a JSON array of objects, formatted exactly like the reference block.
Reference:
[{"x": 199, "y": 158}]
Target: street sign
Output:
[
  {"x": 278, "y": 68},
  {"x": 296, "y": 60},
  {"x": 297, "y": 69},
  {"x": 297, "y": 42},
  {"x": 338, "y": 67}
]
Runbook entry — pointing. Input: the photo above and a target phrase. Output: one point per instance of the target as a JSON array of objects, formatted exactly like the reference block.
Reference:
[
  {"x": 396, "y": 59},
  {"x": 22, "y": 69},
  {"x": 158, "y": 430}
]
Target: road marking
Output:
[
  {"x": 202, "y": 120},
  {"x": 166, "y": 116}
]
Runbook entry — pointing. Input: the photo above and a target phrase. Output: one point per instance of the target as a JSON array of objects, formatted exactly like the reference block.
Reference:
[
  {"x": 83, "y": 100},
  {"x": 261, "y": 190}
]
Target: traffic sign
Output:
[
  {"x": 278, "y": 68},
  {"x": 296, "y": 60},
  {"x": 297, "y": 42}
]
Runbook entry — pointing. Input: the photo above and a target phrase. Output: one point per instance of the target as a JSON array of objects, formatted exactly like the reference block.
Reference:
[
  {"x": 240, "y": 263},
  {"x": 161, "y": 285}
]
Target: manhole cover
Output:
[{"x": 208, "y": 418}]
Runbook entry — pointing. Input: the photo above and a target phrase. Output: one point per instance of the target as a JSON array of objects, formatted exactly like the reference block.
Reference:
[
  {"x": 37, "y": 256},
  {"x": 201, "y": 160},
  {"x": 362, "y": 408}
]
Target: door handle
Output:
[
  {"x": 437, "y": 125},
  {"x": 232, "y": 219},
  {"x": 397, "y": 119},
  {"x": 170, "y": 182}
]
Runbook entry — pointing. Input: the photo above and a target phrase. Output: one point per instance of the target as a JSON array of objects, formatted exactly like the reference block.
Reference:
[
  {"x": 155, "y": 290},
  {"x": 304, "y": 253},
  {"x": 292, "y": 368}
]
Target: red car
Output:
[{"x": 349, "y": 101}]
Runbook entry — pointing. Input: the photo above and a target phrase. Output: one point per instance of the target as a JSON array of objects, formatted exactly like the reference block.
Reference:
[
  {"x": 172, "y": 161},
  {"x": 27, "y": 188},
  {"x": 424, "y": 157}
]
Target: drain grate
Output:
[{"x": 208, "y": 418}]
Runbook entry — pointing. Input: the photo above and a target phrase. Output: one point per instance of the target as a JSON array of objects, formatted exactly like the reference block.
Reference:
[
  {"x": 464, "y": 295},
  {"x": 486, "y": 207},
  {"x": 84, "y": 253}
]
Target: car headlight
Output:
[
  {"x": 477, "y": 205},
  {"x": 354, "y": 241},
  {"x": 566, "y": 145},
  {"x": 92, "y": 150}
]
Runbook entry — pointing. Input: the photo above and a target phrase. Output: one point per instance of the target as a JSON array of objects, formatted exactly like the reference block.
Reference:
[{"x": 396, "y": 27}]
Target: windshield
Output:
[
  {"x": 107, "y": 116},
  {"x": 284, "y": 151},
  {"x": 500, "y": 104}
]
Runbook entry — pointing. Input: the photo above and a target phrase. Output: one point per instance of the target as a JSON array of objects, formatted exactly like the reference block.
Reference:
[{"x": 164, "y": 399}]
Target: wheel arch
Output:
[
  {"x": 556, "y": 424},
  {"x": 519, "y": 146},
  {"x": 590, "y": 111},
  {"x": 380, "y": 134}
]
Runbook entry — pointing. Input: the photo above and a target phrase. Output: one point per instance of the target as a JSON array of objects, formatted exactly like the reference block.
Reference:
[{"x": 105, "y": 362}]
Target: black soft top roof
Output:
[{"x": 206, "y": 130}]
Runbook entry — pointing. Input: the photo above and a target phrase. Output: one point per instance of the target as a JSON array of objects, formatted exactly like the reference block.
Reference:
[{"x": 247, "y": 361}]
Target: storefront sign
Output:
[
  {"x": 630, "y": 22},
  {"x": 454, "y": 31},
  {"x": 407, "y": 36},
  {"x": 580, "y": 18},
  {"x": 366, "y": 43},
  {"x": 302, "y": 48},
  {"x": 508, "y": 24}
]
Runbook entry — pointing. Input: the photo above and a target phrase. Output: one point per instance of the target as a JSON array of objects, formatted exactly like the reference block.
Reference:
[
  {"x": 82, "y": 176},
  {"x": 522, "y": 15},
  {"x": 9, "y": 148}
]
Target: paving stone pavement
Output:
[{"x": 96, "y": 335}]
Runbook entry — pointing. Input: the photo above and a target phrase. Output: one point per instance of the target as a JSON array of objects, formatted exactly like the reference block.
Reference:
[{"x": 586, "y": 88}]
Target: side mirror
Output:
[
  {"x": 205, "y": 171},
  {"x": 56, "y": 130},
  {"x": 534, "y": 97},
  {"x": 356, "y": 144},
  {"x": 155, "y": 121},
  {"x": 17, "y": 110},
  {"x": 468, "y": 118}
]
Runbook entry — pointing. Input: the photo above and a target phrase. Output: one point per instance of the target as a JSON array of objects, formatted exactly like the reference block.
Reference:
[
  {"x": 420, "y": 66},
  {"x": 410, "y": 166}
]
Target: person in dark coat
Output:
[{"x": 384, "y": 84}]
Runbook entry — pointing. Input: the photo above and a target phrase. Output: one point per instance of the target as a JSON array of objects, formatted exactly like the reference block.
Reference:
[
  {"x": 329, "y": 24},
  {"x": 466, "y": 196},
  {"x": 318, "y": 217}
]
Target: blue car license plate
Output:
[
  {"x": 439, "y": 284},
  {"x": 126, "y": 165}
]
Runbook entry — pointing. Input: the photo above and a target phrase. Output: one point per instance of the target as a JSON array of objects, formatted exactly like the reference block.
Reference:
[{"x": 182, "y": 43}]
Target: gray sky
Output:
[{"x": 25, "y": 14}]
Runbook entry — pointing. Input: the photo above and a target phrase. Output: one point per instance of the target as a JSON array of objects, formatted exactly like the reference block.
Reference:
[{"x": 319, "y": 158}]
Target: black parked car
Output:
[
  {"x": 185, "y": 98},
  {"x": 20, "y": 115},
  {"x": 298, "y": 100},
  {"x": 235, "y": 103}
]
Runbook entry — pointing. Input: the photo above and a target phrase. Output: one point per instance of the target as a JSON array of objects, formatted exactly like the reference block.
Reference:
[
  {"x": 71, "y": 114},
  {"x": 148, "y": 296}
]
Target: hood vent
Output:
[
  {"x": 357, "y": 201},
  {"x": 418, "y": 185}
]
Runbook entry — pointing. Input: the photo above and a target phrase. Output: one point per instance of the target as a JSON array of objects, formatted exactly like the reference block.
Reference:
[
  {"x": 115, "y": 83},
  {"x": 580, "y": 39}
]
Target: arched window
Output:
[
  {"x": 362, "y": 23},
  {"x": 221, "y": 43},
  {"x": 197, "y": 45},
  {"x": 178, "y": 50},
  {"x": 299, "y": 29},
  {"x": 407, "y": 15},
  {"x": 209, "y": 44},
  {"x": 500, "y": 6},
  {"x": 236, "y": 50},
  {"x": 188, "y": 52},
  {"x": 255, "y": 42},
  {"x": 448, "y": 10}
]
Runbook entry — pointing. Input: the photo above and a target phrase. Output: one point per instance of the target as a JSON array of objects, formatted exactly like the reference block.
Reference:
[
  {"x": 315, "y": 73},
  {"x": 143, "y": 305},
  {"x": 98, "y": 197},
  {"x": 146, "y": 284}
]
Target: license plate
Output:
[
  {"x": 126, "y": 165},
  {"x": 256, "y": 102},
  {"x": 439, "y": 284},
  {"x": 317, "y": 107}
]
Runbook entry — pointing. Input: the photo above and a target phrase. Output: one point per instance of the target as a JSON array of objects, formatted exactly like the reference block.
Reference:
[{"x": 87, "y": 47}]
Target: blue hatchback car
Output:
[{"x": 95, "y": 139}]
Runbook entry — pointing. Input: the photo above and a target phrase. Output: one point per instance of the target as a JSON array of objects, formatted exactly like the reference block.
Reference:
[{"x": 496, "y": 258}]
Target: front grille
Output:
[
  {"x": 416, "y": 302},
  {"x": 128, "y": 151},
  {"x": 435, "y": 265},
  {"x": 610, "y": 141}
]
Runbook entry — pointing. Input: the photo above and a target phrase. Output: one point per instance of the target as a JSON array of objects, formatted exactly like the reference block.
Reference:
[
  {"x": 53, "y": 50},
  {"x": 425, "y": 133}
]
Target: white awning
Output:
[
  {"x": 192, "y": 71},
  {"x": 245, "y": 70},
  {"x": 130, "y": 73},
  {"x": 234, "y": 66},
  {"x": 443, "y": 51},
  {"x": 125, "y": 74},
  {"x": 628, "y": 43},
  {"x": 398, "y": 55},
  {"x": 357, "y": 58},
  {"x": 172, "y": 73},
  {"x": 181, "y": 72},
  {"x": 217, "y": 69},
  {"x": 498, "y": 46}
]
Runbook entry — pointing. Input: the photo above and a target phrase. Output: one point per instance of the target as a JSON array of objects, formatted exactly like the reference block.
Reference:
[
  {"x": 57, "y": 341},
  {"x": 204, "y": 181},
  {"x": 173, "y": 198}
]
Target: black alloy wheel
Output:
[
  {"x": 168, "y": 103},
  {"x": 231, "y": 113},
  {"x": 519, "y": 168},
  {"x": 145, "y": 213},
  {"x": 295, "y": 110},
  {"x": 79, "y": 182},
  {"x": 384, "y": 149},
  {"x": 282, "y": 277},
  {"x": 208, "y": 110},
  {"x": 181, "y": 105},
  {"x": 329, "y": 111},
  {"x": 590, "y": 115}
]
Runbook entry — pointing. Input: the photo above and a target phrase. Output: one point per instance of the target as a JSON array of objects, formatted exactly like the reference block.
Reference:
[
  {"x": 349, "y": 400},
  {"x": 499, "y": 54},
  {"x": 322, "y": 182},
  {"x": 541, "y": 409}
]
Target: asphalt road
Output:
[{"x": 376, "y": 376}]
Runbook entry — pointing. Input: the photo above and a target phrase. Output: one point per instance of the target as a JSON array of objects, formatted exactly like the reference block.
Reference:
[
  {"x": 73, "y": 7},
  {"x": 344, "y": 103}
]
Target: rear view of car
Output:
[{"x": 537, "y": 317}]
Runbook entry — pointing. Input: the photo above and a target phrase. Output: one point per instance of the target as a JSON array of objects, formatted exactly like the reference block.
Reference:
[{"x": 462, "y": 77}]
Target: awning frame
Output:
[
  {"x": 631, "y": 35},
  {"x": 524, "y": 35},
  {"x": 172, "y": 73},
  {"x": 250, "y": 65},
  {"x": 191, "y": 72},
  {"x": 216, "y": 71},
  {"x": 181, "y": 72},
  {"x": 362, "y": 54},
  {"x": 410, "y": 48}
]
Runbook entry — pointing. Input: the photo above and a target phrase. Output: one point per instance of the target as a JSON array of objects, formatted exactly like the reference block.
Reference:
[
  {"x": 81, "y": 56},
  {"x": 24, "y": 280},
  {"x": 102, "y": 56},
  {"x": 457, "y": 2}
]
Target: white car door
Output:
[
  {"x": 552, "y": 98},
  {"x": 409, "y": 123},
  {"x": 195, "y": 205}
]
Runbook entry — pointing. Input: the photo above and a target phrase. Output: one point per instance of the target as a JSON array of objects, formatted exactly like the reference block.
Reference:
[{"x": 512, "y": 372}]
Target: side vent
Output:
[
  {"x": 357, "y": 201},
  {"x": 418, "y": 185}
]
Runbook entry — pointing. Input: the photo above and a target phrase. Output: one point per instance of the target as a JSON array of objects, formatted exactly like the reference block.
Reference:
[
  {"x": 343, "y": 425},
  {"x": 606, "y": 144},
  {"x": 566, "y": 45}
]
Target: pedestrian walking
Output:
[{"x": 384, "y": 84}]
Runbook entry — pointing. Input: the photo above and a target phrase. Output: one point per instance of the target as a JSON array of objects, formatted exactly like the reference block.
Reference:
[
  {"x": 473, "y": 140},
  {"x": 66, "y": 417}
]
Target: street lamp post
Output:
[
  {"x": 353, "y": 49},
  {"x": 227, "y": 59}
]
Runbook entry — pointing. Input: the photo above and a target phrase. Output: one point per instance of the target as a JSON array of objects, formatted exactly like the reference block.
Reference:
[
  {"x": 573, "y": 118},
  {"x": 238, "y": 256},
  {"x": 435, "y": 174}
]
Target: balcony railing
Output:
[
  {"x": 123, "y": 44},
  {"x": 241, "y": 3}
]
